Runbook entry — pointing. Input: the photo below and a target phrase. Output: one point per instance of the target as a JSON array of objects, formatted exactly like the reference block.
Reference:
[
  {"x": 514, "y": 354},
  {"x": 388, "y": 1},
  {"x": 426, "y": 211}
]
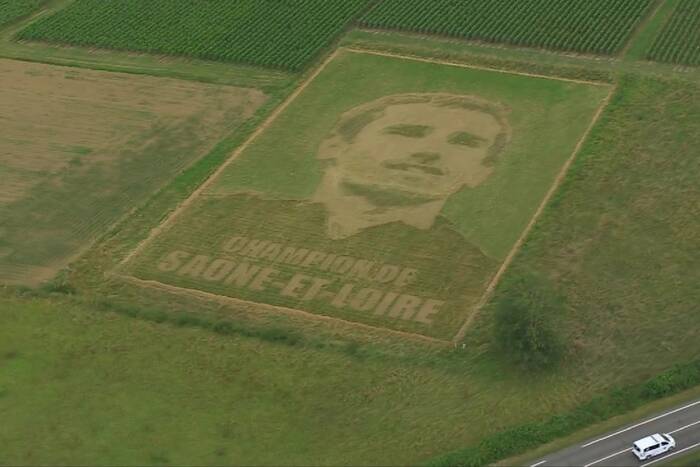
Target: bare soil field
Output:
[{"x": 79, "y": 148}]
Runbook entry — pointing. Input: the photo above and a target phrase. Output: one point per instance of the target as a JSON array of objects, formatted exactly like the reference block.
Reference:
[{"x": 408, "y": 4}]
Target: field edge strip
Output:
[
  {"x": 437, "y": 61},
  {"x": 275, "y": 309}
]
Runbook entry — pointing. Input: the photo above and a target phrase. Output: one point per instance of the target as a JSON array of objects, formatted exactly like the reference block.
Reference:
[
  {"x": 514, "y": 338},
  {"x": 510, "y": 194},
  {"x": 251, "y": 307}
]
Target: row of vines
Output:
[
  {"x": 679, "y": 42},
  {"x": 282, "y": 34},
  {"x": 582, "y": 26},
  {"x": 11, "y": 10}
]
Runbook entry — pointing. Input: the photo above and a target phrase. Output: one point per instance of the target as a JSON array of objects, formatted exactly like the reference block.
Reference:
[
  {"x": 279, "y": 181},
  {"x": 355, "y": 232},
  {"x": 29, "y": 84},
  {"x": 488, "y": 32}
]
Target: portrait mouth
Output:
[
  {"x": 414, "y": 168},
  {"x": 382, "y": 196}
]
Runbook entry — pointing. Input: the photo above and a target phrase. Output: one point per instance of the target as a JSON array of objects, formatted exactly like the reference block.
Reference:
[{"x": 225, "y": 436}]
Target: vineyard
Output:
[
  {"x": 11, "y": 10},
  {"x": 583, "y": 26},
  {"x": 679, "y": 42},
  {"x": 277, "y": 34}
]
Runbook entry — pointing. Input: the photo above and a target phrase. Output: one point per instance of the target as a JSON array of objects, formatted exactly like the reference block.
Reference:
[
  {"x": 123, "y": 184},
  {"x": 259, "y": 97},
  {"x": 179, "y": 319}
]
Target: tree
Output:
[{"x": 525, "y": 311}]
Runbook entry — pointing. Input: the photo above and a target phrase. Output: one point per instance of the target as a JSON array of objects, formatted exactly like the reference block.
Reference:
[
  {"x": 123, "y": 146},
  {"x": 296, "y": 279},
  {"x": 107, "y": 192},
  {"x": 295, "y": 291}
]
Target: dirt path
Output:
[
  {"x": 488, "y": 293},
  {"x": 473, "y": 67}
]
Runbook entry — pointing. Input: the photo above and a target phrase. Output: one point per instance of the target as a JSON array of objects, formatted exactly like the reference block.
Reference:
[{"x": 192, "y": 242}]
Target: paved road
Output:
[{"x": 615, "y": 448}]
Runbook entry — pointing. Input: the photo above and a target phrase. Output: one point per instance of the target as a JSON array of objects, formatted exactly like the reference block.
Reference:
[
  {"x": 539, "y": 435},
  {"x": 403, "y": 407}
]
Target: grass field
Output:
[
  {"x": 12, "y": 10},
  {"x": 620, "y": 240},
  {"x": 81, "y": 148},
  {"x": 679, "y": 42},
  {"x": 408, "y": 260},
  {"x": 275, "y": 34},
  {"x": 80, "y": 386},
  {"x": 595, "y": 26}
]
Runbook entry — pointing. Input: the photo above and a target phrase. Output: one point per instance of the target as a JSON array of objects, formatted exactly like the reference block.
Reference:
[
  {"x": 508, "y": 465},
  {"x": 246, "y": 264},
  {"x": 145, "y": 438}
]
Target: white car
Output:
[{"x": 653, "y": 445}]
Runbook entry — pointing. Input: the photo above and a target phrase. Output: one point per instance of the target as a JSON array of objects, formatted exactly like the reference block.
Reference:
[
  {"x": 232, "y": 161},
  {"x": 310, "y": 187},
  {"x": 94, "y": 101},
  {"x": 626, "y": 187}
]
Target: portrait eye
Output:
[
  {"x": 409, "y": 131},
  {"x": 464, "y": 138}
]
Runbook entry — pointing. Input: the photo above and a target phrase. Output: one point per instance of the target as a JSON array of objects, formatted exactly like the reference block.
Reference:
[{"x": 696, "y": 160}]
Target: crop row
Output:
[
  {"x": 584, "y": 26},
  {"x": 10, "y": 10},
  {"x": 679, "y": 42},
  {"x": 283, "y": 34}
]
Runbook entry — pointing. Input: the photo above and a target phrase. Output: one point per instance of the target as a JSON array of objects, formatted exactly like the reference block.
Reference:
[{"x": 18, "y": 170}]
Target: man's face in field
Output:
[{"x": 407, "y": 155}]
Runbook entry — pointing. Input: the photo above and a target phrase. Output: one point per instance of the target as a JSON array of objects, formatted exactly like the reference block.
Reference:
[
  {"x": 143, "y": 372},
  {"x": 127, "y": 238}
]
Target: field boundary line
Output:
[
  {"x": 234, "y": 155},
  {"x": 360, "y": 50},
  {"x": 276, "y": 309},
  {"x": 561, "y": 176}
]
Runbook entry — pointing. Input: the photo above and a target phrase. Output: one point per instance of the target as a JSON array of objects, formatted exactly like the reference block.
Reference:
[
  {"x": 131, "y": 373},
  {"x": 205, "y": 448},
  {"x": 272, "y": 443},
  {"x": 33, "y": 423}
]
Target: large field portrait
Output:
[{"x": 387, "y": 193}]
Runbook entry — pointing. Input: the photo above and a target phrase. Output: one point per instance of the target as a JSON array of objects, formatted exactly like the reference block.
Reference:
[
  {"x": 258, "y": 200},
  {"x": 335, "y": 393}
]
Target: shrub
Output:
[{"x": 525, "y": 330}]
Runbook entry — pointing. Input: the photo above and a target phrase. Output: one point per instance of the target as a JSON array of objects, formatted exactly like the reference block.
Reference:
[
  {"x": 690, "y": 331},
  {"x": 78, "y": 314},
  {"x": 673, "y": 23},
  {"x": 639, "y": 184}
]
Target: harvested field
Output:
[
  {"x": 80, "y": 148},
  {"x": 392, "y": 204}
]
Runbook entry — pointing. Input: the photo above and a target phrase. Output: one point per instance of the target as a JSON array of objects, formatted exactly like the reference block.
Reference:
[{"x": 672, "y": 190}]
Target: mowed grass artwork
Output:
[
  {"x": 679, "y": 42},
  {"x": 586, "y": 26},
  {"x": 80, "y": 148},
  {"x": 11, "y": 10},
  {"x": 270, "y": 33},
  {"x": 387, "y": 193}
]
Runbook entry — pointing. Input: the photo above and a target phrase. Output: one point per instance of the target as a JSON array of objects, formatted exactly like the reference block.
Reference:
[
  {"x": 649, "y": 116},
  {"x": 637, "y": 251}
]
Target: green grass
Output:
[
  {"x": 594, "y": 26},
  {"x": 450, "y": 269},
  {"x": 690, "y": 460},
  {"x": 82, "y": 386},
  {"x": 679, "y": 41},
  {"x": 12, "y": 10},
  {"x": 620, "y": 239},
  {"x": 273, "y": 34}
]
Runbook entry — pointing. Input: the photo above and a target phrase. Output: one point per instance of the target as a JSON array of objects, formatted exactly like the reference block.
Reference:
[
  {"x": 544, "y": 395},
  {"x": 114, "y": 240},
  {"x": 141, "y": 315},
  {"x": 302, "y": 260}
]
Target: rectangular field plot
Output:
[
  {"x": 79, "y": 148},
  {"x": 270, "y": 33},
  {"x": 387, "y": 193},
  {"x": 586, "y": 26}
]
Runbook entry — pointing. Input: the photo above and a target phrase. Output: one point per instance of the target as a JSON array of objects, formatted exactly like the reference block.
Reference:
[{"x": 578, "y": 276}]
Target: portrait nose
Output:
[{"x": 426, "y": 157}]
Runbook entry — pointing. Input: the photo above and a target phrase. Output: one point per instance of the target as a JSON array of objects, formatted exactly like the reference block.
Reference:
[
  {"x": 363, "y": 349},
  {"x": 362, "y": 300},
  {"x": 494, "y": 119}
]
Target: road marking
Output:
[
  {"x": 683, "y": 428},
  {"x": 608, "y": 457},
  {"x": 539, "y": 463},
  {"x": 640, "y": 424},
  {"x": 671, "y": 455}
]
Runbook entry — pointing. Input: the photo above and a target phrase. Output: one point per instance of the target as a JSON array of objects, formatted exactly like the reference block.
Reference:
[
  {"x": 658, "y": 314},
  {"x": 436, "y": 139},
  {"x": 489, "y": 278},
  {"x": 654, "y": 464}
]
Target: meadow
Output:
[
  {"x": 107, "y": 141},
  {"x": 620, "y": 239},
  {"x": 285, "y": 35},
  {"x": 596, "y": 26},
  {"x": 79, "y": 385},
  {"x": 451, "y": 248}
]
